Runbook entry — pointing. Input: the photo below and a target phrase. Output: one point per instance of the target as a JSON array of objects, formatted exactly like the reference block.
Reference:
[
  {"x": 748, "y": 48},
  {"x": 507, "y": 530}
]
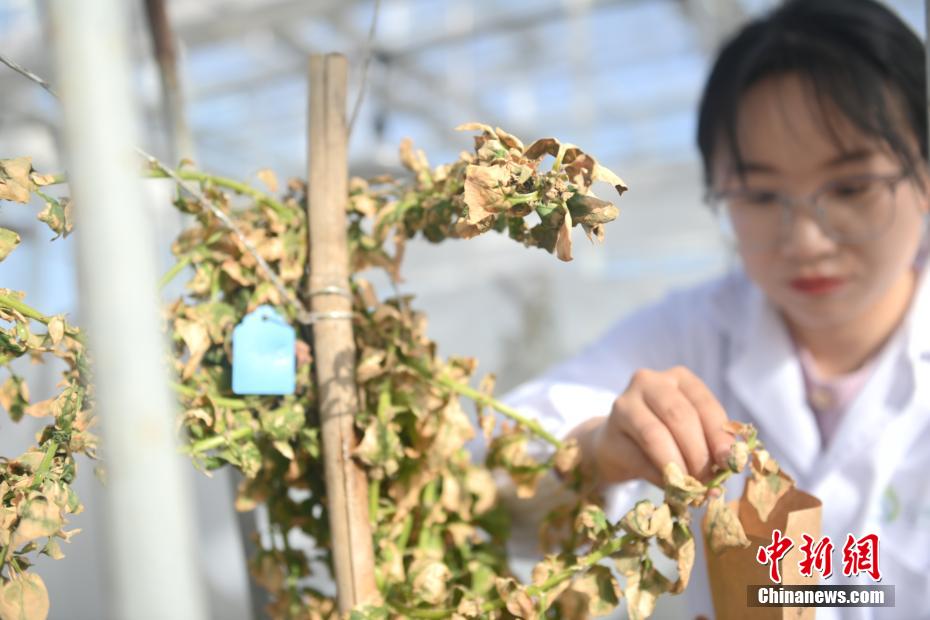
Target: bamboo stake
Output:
[{"x": 334, "y": 346}]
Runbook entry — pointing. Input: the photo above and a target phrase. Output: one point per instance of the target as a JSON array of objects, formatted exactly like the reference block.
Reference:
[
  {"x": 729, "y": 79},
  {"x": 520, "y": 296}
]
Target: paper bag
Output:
[{"x": 734, "y": 569}]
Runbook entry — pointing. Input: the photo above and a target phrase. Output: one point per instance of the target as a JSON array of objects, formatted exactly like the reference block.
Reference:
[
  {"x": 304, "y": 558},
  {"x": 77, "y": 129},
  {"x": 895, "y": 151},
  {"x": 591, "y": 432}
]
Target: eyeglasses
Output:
[{"x": 850, "y": 210}]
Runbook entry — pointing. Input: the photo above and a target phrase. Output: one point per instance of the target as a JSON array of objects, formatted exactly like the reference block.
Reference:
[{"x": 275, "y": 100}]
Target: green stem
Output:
[
  {"x": 174, "y": 271},
  {"x": 203, "y": 177},
  {"x": 230, "y": 403},
  {"x": 374, "y": 494},
  {"x": 466, "y": 390},
  {"x": 12, "y": 303},
  {"x": 519, "y": 199},
  {"x": 404, "y": 537},
  {"x": 46, "y": 462},
  {"x": 230, "y": 184},
  {"x": 3, "y": 554},
  {"x": 216, "y": 441},
  {"x": 587, "y": 561}
]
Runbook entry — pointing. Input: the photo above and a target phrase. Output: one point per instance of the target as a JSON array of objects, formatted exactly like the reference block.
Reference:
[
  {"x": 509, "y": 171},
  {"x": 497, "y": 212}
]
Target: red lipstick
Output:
[{"x": 816, "y": 286}]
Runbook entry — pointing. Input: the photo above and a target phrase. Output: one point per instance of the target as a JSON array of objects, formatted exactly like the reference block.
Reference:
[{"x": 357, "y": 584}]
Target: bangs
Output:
[{"x": 876, "y": 86}]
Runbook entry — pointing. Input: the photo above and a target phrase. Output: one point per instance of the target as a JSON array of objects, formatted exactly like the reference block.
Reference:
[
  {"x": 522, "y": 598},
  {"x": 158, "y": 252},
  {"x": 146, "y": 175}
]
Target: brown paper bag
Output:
[{"x": 734, "y": 569}]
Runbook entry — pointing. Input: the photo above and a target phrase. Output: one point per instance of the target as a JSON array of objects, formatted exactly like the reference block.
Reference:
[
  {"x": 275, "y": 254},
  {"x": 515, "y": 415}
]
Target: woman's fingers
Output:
[
  {"x": 672, "y": 406},
  {"x": 710, "y": 412},
  {"x": 622, "y": 459},
  {"x": 648, "y": 432},
  {"x": 663, "y": 417}
]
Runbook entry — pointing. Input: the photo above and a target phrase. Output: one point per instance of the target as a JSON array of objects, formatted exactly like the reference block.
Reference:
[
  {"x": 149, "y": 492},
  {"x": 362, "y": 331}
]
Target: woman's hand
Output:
[{"x": 661, "y": 417}]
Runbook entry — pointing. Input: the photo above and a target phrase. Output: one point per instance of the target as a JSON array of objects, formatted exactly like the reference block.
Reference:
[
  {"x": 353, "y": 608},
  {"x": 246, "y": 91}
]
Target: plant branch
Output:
[
  {"x": 46, "y": 463},
  {"x": 489, "y": 401},
  {"x": 178, "y": 267},
  {"x": 29, "y": 74},
  {"x": 11, "y": 303},
  {"x": 231, "y": 403},
  {"x": 369, "y": 49},
  {"x": 303, "y": 315}
]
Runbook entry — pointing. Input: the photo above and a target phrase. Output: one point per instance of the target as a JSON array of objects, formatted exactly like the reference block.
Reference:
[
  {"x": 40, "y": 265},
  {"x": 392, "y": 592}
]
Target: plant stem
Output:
[
  {"x": 11, "y": 303},
  {"x": 488, "y": 401},
  {"x": 218, "y": 440},
  {"x": 231, "y": 403},
  {"x": 203, "y": 177},
  {"x": 46, "y": 462},
  {"x": 179, "y": 266},
  {"x": 374, "y": 494},
  {"x": 587, "y": 561},
  {"x": 519, "y": 199}
]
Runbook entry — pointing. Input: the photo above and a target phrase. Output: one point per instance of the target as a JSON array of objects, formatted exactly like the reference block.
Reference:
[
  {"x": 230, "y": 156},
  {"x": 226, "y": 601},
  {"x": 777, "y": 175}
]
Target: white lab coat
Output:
[{"x": 874, "y": 476}]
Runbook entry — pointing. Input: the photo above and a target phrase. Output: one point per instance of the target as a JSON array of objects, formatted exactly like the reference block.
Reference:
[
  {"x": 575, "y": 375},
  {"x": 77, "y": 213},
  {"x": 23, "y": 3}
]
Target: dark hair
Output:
[{"x": 856, "y": 54}]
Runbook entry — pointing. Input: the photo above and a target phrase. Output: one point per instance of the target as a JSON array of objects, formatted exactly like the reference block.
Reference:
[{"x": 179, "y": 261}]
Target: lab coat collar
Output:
[{"x": 766, "y": 377}]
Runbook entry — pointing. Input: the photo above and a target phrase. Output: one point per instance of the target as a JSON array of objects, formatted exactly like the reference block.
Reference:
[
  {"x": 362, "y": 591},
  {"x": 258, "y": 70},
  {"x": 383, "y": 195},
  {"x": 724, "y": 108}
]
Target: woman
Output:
[{"x": 812, "y": 130}]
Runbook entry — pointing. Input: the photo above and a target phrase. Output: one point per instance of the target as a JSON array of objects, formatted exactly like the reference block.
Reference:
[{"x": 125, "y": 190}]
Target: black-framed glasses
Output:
[{"x": 850, "y": 210}]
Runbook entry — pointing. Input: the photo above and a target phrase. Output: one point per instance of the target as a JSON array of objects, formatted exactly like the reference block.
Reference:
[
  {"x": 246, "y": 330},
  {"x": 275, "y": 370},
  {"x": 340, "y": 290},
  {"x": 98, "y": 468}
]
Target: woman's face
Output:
[{"x": 815, "y": 280}]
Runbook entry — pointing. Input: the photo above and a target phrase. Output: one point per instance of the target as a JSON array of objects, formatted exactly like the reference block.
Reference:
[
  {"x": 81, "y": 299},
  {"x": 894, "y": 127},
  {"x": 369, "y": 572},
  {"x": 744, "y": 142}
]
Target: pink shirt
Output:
[{"x": 830, "y": 398}]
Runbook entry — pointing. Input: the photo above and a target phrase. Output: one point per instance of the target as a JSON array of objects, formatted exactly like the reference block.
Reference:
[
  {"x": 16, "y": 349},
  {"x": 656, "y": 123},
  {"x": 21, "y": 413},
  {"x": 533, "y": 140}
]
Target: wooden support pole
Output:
[{"x": 334, "y": 345}]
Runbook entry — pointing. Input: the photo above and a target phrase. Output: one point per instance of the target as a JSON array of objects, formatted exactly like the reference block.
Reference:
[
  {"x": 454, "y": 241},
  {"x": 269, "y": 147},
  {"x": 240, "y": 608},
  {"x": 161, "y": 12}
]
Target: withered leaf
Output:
[
  {"x": 56, "y": 329},
  {"x": 15, "y": 184},
  {"x": 24, "y": 598},
  {"x": 645, "y": 520},
  {"x": 592, "y": 522},
  {"x": 37, "y": 518},
  {"x": 9, "y": 239},
  {"x": 197, "y": 338},
  {"x": 567, "y": 457},
  {"x": 724, "y": 529},
  {"x": 739, "y": 456},
  {"x": 485, "y": 191},
  {"x": 563, "y": 244},
  {"x": 58, "y": 215},
  {"x": 763, "y": 490},
  {"x": 380, "y": 448},
  {"x": 429, "y": 579},
  {"x": 682, "y": 488},
  {"x": 14, "y": 397},
  {"x": 542, "y": 571},
  {"x": 517, "y": 601},
  {"x": 269, "y": 178},
  {"x": 600, "y": 588},
  {"x": 643, "y": 590},
  {"x": 681, "y": 549}
]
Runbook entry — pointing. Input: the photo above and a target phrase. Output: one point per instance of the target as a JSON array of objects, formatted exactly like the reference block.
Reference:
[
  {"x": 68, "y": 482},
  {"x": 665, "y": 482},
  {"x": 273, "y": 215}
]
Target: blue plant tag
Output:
[{"x": 263, "y": 354}]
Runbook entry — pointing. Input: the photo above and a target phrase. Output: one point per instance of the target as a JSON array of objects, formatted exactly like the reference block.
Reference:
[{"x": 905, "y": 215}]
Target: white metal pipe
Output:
[{"x": 152, "y": 568}]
